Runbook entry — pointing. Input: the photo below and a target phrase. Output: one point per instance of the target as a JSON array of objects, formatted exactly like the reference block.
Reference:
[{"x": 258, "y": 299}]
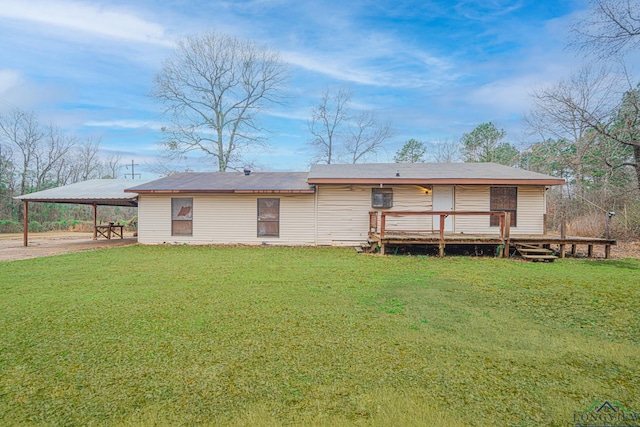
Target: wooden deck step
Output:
[
  {"x": 535, "y": 253},
  {"x": 528, "y": 245},
  {"x": 535, "y": 250},
  {"x": 540, "y": 257}
]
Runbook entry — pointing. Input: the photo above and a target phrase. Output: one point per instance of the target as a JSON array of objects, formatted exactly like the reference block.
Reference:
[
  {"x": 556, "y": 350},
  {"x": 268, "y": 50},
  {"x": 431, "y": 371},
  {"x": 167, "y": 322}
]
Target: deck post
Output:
[
  {"x": 562, "y": 245},
  {"x": 574, "y": 249},
  {"x": 383, "y": 224},
  {"x": 442, "y": 217},
  {"x": 25, "y": 233},
  {"x": 441, "y": 249},
  {"x": 507, "y": 225},
  {"x": 95, "y": 222},
  {"x": 607, "y": 251},
  {"x": 590, "y": 251}
]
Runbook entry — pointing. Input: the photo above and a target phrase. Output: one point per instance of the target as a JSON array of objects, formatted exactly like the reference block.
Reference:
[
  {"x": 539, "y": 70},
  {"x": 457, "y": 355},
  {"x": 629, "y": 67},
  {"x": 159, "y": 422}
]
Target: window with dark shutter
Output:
[
  {"x": 268, "y": 217},
  {"x": 181, "y": 217},
  {"x": 504, "y": 199},
  {"x": 381, "y": 197}
]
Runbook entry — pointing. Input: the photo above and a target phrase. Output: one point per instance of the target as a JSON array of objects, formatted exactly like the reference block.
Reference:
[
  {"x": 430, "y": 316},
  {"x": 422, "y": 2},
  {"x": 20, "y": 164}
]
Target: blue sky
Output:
[{"x": 435, "y": 69}]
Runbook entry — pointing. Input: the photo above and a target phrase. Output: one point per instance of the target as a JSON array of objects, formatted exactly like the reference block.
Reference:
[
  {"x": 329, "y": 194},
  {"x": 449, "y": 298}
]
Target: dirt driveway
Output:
[{"x": 54, "y": 243}]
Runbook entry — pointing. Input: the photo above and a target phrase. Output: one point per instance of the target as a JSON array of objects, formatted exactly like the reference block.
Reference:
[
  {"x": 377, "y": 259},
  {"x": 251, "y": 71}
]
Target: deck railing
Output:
[{"x": 503, "y": 228}]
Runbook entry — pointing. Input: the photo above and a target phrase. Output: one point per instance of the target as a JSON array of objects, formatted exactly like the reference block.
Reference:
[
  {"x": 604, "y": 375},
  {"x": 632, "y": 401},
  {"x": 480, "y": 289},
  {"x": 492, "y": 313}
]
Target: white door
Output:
[{"x": 443, "y": 201}]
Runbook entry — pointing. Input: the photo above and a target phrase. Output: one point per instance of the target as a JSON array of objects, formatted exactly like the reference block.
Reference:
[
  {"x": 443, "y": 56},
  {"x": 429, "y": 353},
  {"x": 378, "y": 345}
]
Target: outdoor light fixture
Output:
[{"x": 611, "y": 214}]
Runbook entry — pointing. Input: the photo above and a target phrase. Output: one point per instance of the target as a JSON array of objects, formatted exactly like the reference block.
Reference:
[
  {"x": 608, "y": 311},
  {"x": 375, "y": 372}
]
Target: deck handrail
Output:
[{"x": 504, "y": 226}]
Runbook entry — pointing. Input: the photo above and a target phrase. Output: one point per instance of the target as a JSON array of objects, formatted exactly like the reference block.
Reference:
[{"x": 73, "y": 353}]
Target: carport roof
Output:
[{"x": 108, "y": 192}]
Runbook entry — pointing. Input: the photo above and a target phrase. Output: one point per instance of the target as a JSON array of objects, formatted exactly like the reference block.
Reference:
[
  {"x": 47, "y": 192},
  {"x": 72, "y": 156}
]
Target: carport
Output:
[{"x": 94, "y": 192}]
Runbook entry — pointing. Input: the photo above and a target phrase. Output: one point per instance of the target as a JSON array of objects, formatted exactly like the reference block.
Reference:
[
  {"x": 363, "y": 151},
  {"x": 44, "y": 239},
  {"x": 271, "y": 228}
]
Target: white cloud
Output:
[
  {"x": 402, "y": 71},
  {"x": 124, "y": 124},
  {"x": 87, "y": 18},
  {"x": 9, "y": 79}
]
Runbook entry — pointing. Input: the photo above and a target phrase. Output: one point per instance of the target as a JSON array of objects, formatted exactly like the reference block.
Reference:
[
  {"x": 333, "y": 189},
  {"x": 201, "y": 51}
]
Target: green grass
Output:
[{"x": 269, "y": 336}]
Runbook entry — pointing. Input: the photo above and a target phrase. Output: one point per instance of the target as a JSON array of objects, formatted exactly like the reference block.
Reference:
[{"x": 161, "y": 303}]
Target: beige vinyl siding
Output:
[
  {"x": 343, "y": 211},
  {"x": 473, "y": 198},
  {"x": 227, "y": 219},
  {"x": 531, "y": 209}
]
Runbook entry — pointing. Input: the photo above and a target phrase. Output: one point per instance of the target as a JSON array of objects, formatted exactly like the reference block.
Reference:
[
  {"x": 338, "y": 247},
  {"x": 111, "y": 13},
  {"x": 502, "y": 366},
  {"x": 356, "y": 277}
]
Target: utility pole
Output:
[{"x": 133, "y": 171}]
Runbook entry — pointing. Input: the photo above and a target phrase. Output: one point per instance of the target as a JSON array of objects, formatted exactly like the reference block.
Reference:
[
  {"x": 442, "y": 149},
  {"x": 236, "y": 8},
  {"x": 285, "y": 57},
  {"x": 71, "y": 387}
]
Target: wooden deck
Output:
[
  {"x": 545, "y": 240},
  {"x": 380, "y": 237}
]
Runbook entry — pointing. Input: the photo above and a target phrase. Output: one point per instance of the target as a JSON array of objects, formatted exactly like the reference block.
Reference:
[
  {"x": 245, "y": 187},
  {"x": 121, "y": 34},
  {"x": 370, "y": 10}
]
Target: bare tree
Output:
[
  {"x": 587, "y": 105},
  {"x": 88, "y": 154},
  {"x": 112, "y": 165},
  {"x": 6, "y": 171},
  {"x": 49, "y": 154},
  {"x": 445, "y": 151},
  {"x": 610, "y": 28},
  {"x": 366, "y": 136},
  {"x": 22, "y": 130},
  {"x": 213, "y": 88},
  {"x": 326, "y": 123}
]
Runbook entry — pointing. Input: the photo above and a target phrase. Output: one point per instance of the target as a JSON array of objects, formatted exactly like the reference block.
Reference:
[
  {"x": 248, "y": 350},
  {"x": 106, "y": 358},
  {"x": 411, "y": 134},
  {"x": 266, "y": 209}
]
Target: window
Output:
[
  {"x": 181, "y": 217},
  {"x": 268, "y": 217},
  {"x": 381, "y": 197},
  {"x": 504, "y": 199}
]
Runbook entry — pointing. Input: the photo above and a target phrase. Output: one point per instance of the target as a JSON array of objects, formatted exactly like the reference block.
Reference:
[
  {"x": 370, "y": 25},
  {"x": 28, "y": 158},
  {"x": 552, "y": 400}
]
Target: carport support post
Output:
[
  {"x": 25, "y": 237},
  {"x": 95, "y": 222}
]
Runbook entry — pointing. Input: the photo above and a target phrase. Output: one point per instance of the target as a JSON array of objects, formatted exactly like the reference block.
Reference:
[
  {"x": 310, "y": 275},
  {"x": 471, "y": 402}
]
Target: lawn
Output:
[{"x": 269, "y": 336}]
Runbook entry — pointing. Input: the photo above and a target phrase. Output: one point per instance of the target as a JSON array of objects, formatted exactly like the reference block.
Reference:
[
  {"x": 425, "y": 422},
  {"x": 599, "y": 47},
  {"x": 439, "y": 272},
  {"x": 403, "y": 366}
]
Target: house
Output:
[{"x": 331, "y": 204}]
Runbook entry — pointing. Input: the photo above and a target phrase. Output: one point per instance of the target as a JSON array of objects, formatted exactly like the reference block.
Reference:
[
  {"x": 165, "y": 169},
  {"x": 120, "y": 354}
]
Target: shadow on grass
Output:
[{"x": 627, "y": 264}]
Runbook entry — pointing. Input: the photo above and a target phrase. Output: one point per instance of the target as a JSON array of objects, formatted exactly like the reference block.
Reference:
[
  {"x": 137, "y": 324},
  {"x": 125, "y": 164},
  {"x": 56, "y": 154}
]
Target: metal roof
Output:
[
  {"x": 427, "y": 173},
  {"x": 90, "y": 192},
  {"x": 228, "y": 182}
]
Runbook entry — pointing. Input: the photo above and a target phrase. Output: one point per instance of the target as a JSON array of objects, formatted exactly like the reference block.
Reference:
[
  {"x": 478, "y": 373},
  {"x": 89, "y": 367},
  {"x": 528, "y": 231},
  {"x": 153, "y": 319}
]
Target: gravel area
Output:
[{"x": 54, "y": 243}]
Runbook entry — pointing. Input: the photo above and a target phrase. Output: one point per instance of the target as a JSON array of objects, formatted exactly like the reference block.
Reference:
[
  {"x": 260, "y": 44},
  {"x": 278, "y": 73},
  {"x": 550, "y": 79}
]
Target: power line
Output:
[{"x": 133, "y": 173}]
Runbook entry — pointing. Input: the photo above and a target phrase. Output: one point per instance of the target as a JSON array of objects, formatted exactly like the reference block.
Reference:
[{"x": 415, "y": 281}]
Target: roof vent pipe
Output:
[
  {"x": 247, "y": 171},
  {"x": 398, "y": 173}
]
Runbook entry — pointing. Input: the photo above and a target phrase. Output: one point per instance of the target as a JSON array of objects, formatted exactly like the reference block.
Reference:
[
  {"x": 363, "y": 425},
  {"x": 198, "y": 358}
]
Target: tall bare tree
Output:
[
  {"x": 326, "y": 124},
  {"x": 445, "y": 151},
  {"x": 339, "y": 134},
  {"x": 610, "y": 28},
  {"x": 112, "y": 165},
  {"x": 49, "y": 155},
  {"x": 587, "y": 107},
  {"x": 21, "y": 130},
  {"x": 366, "y": 136},
  {"x": 212, "y": 88}
]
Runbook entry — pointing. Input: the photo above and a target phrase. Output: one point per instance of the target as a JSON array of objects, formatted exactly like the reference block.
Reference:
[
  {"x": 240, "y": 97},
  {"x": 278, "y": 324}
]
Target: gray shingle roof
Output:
[
  {"x": 425, "y": 172},
  {"x": 93, "y": 191},
  {"x": 238, "y": 182}
]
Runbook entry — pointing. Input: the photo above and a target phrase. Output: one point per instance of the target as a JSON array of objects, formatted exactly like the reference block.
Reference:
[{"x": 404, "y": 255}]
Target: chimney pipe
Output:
[{"x": 247, "y": 171}]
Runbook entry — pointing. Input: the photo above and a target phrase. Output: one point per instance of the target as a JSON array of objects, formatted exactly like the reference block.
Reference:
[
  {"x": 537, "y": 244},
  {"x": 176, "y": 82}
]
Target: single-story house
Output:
[{"x": 331, "y": 204}]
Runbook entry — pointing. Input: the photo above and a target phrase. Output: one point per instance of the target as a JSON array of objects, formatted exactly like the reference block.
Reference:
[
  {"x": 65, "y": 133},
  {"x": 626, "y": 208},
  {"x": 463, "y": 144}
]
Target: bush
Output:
[
  {"x": 35, "y": 227},
  {"x": 10, "y": 226}
]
